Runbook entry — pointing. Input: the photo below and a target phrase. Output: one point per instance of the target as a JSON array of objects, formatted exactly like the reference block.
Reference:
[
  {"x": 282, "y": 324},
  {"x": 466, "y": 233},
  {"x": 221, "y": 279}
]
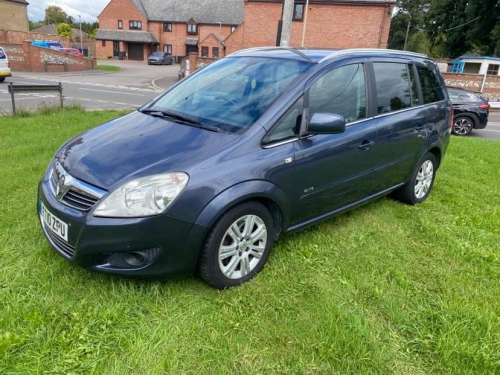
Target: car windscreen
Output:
[
  {"x": 158, "y": 54},
  {"x": 2, "y": 54},
  {"x": 232, "y": 93}
]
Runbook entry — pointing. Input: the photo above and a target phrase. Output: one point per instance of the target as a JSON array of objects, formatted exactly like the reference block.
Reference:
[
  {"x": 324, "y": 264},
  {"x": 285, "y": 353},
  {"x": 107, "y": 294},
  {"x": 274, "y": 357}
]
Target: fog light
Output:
[{"x": 133, "y": 259}]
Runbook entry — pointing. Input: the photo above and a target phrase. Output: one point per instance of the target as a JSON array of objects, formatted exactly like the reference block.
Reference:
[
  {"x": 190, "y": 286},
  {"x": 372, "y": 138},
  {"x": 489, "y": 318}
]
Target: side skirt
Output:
[{"x": 342, "y": 209}]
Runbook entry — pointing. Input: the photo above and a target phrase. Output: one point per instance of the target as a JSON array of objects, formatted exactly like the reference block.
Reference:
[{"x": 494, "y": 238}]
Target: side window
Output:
[
  {"x": 431, "y": 88},
  {"x": 341, "y": 91},
  {"x": 414, "y": 90},
  {"x": 288, "y": 126},
  {"x": 393, "y": 87}
]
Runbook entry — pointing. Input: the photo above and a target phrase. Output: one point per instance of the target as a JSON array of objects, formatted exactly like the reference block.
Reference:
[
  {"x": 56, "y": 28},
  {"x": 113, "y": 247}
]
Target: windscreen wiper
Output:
[{"x": 178, "y": 118}]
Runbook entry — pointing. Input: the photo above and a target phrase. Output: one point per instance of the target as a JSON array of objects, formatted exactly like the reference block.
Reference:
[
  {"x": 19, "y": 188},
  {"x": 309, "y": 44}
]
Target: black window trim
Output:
[
  {"x": 295, "y": 12},
  {"x": 305, "y": 94}
]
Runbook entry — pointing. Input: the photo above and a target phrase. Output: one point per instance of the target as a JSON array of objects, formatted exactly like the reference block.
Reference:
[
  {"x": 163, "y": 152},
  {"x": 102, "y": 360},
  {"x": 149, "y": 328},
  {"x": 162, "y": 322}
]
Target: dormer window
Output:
[{"x": 192, "y": 29}]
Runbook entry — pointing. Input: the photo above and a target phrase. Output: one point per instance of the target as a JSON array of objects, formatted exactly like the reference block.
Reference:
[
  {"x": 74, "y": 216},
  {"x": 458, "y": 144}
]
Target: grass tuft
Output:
[
  {"x": 109, "y": 68},
  {"x": 388, "y": 288}
]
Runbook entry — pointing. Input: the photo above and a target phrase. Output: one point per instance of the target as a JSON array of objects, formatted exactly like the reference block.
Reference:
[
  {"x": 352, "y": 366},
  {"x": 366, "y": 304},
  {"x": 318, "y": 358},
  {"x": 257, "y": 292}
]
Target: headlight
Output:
[{"x": 144, "y": 196}]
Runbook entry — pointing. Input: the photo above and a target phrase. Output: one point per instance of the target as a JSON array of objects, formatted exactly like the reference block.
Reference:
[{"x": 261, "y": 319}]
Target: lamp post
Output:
[
  {"x": 305, "y": 24},
  {"x": 81, "y": 39}
]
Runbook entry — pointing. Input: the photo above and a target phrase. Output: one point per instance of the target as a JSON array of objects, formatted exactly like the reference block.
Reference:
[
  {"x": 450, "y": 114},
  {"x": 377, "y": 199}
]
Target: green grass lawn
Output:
[
  {"x": 109, "y": 68},
  {"x": 388, "y": 288}
]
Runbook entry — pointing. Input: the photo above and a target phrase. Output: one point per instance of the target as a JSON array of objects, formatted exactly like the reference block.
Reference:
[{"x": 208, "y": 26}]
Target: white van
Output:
[{"x": 4, "y": 65}]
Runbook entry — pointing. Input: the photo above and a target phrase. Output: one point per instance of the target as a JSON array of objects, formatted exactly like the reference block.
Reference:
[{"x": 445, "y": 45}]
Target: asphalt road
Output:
[
  {"x": 492, "y": 131},
  {"x": 130, "y": 88}
]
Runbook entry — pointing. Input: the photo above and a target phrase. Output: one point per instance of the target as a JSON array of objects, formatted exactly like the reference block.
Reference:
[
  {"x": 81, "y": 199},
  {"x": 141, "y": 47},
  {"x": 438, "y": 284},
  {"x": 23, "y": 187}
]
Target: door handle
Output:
[{"x": 366, "y": 145}]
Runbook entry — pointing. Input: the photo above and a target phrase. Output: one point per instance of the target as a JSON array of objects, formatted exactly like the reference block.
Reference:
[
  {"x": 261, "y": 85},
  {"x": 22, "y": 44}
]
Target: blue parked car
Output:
[
  {"x": 264, "y": 142},
  {"x": 46, "y": 44}
]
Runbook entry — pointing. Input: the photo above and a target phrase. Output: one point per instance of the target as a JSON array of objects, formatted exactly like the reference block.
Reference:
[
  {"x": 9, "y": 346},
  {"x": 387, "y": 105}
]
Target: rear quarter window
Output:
[
  {"x": 2, "y": 54},
  {"x": 432, "y": 90}
]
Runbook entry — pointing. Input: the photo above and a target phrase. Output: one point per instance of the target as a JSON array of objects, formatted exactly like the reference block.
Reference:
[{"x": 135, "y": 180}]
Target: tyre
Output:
[
  {"x": 462, "y": 126},
  {"x": 420, "y": 185},
  {"x": 237, "y": 246},
  {"x": 2, "y": 79}
]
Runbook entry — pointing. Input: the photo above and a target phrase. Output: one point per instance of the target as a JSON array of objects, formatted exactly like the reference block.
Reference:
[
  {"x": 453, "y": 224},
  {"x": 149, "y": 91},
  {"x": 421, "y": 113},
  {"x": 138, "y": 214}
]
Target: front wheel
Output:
[
  {"x": 419, "y": 187},
  {"x": 238, "y": 246},
  {"x": 462, "y": 126}
]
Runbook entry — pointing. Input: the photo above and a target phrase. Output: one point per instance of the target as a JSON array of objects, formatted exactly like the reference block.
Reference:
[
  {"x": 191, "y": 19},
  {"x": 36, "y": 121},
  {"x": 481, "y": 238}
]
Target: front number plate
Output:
[{"x": 57, "y": 226}]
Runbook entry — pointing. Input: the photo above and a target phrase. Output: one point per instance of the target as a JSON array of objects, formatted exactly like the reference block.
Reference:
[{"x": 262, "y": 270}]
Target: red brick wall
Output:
[
  {"x": 211, "y": 42},
  {"x": 120, "y": 10},
  {"x": 106, "y": 51},
  {"x": 328, "y": 26},
  {"x": 17, "y": 58},
  {"x": 235, "y": 41}
]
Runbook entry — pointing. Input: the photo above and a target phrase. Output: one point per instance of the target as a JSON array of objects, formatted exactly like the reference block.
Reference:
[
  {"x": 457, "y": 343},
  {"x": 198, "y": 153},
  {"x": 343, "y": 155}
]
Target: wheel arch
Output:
[
  {"x": 264, "y": 192},
  {"x": 436, "y": 151}
]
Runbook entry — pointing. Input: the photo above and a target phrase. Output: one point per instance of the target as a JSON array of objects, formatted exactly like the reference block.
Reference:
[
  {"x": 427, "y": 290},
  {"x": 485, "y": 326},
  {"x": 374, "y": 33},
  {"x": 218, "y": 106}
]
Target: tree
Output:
[
  {"x": 93, "y": 33},
  {"x": 54, "y": 14},
  {"x": 64, "y": 29}
]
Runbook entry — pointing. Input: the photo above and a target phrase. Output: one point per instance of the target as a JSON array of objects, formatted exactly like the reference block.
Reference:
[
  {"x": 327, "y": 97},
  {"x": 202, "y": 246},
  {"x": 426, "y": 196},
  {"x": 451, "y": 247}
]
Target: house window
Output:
[
  {"x": 215, "y": 52},
  {"x": 493, "y": 69},
  {"x": 204, "y": 51},
  {"x": 104, "y": 43},
  {"x": 167, "y": 27},
  {"x": 298, "y": 12},
  {"x": 167, "y": 48},
  {"x": 233, "y": 28},
  {"x": 192, "y": 29},
  {"x": 120, "y": 24},
  {"x": 135, "y": 25}
]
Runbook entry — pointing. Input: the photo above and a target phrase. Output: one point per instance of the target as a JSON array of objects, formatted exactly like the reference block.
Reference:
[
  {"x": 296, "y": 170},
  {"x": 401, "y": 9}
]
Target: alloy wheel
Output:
[
  {"x": 242, "y": 246},
  {"x": 424, "y": 178},
  {"x": 462, "y": 126}
]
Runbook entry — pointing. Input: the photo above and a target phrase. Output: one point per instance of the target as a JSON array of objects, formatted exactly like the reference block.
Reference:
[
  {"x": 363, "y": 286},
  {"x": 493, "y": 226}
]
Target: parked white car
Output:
[{"x": 4, "y": 65}]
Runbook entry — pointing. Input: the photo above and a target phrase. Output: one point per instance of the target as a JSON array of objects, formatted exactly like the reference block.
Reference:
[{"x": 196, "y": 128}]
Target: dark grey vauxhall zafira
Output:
[{"x": 263, "y": 142}]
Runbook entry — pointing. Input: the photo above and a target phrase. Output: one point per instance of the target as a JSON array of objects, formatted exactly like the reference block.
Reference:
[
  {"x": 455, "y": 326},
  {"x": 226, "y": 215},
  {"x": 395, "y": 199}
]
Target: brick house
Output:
[
  {"x": 330, "y": 24},
  {"x": 215, "y": 28},
  {"x": 141, "y": 27}
]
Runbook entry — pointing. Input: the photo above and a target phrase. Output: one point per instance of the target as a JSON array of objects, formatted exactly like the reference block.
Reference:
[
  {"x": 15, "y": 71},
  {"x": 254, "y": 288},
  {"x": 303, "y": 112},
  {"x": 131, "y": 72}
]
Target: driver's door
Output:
[{"x": 334, "y": 170}]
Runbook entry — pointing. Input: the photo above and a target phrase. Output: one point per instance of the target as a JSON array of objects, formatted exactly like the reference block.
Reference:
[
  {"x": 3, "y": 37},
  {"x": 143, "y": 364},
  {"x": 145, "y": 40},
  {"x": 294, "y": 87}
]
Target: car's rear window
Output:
[
  {"x": 2, "y": 54},
  {"x": 431, "y": 88}
]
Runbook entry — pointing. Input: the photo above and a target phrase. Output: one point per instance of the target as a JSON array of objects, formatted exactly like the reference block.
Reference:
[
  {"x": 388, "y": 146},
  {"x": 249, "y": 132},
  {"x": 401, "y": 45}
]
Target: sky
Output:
[{"x": 88, "y": 9}]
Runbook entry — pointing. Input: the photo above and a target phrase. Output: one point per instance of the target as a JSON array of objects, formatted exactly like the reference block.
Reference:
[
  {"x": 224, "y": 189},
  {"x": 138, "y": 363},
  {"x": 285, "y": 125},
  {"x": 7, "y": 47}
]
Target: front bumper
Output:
[
  {"x": 5, "y": 74},
  {"x": 93, "y": 239},
  {"x": 154, "y": 62}
]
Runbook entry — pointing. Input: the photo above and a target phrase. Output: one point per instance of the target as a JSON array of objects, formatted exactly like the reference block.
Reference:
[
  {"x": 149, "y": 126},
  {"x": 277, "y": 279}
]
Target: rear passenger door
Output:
[{"x": 401, "y": 121}]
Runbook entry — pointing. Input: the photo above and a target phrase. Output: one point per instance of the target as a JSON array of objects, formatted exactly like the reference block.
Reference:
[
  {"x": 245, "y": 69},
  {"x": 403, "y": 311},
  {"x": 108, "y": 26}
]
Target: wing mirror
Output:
[{"x": 326, "y": 123}]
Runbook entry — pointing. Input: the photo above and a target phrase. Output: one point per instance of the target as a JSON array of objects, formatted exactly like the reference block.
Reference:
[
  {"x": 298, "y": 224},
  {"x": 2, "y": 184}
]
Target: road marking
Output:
[
  {"x": 154, "y": 85},
  {"x": 485, "y": 130},
  {"x": 112, "y": 92},
  {"x": 34, "y": 97}
]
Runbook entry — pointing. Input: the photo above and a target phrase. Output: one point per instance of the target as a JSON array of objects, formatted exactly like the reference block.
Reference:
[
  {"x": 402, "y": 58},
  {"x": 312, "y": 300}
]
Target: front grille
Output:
[
  {"x": 60, "y": 244},
  {"x": 78, "y": 194},
  {"x": 79, "y": 200}
]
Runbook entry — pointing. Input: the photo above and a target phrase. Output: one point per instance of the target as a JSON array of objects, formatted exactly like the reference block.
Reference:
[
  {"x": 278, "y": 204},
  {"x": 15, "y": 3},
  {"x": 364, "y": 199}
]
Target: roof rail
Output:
[
  {"x": 291, "y": 49},
  {"x": 250, "y": 49},
  {"x": 372, "y": 50}
]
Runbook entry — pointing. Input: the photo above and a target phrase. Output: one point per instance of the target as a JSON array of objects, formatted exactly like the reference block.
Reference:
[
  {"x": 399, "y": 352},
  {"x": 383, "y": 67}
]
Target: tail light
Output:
[
  {"x": 485, "y": 106},
  {"x": 452, "y": 117},
  {"x": 8, "y": 65}
]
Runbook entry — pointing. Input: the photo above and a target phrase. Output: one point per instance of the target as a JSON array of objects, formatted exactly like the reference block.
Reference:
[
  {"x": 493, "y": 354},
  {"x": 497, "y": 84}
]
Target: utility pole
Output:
[
  {"x": 305, "y": 24},
  {"x": 286, "y": 30},
  {"x": 407, "y": 34},
  {"x": 81, "y": 35}
]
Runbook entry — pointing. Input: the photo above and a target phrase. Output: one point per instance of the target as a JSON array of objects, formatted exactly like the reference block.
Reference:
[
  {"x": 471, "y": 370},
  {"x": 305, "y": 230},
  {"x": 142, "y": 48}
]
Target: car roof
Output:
[{"x": 320, "y": 55}]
